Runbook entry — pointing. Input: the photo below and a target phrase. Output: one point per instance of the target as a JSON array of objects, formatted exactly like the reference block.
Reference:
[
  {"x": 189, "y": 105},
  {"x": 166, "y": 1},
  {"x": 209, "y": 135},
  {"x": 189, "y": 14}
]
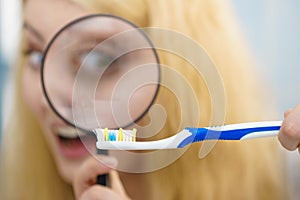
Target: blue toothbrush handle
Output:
[{"x": 223, "y": 133}]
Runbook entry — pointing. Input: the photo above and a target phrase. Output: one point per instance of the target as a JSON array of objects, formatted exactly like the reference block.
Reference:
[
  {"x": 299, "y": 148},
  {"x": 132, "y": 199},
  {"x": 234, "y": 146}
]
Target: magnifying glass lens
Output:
[{"x": 100, "y": 71}]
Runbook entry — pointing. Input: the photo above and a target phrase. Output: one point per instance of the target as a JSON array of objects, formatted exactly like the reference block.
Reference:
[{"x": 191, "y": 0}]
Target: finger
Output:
[
  {"x": 288, "y": 143},
  {"x": 287, "y": 112},
  {"x": 289, "y": 134},
  {"x": 97, "y": 192},
  {"x": 116, "y": 184},
  {"x": 89, "y": 170}
]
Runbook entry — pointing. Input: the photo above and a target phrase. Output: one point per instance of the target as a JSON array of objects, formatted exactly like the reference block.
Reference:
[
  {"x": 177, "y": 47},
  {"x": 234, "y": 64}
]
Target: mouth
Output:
[{"x": 74, "y": 143}]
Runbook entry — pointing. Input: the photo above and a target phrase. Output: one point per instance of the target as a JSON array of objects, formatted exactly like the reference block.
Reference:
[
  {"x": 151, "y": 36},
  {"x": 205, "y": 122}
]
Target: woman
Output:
[{"x": 34, "y": 167}]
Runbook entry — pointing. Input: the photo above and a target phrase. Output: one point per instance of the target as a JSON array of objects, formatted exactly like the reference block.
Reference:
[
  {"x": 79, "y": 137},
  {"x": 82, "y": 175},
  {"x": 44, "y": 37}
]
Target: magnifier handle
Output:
[{"x": 104, "y": 178}]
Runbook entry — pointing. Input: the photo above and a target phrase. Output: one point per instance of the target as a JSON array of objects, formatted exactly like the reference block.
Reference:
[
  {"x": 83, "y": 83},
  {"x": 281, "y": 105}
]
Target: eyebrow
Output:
[{"x": 33, "y": 31}]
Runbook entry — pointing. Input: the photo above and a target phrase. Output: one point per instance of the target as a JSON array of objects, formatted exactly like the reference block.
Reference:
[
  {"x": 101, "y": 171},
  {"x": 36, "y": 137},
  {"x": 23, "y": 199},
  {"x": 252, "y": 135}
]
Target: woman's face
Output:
[{"x": 42, "y": 19}]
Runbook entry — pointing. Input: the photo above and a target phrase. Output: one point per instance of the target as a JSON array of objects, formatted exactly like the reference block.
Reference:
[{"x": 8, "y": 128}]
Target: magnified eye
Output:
[
  {"x": 98, "y": 62},
  {"x": 34, "y": 59},
  {"x": 97, "y": 59}
]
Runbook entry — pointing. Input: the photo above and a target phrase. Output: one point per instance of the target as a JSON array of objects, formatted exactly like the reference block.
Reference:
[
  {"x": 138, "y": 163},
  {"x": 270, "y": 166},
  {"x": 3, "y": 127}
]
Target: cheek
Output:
[{"x": 31, "y": 90}]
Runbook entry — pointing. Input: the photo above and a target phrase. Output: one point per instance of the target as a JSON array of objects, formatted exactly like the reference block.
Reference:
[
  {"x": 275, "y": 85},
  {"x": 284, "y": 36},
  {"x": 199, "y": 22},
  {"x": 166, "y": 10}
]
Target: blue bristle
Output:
[{"x": 111, "y": 136}]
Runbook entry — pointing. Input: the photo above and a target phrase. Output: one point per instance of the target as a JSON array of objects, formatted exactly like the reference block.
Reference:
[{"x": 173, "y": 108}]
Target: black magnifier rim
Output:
[{"x": 83, "y": 18}]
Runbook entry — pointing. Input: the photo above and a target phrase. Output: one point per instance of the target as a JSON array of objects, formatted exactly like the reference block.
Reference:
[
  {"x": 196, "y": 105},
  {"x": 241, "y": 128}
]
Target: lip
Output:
[{"x": 75, "y": 148}]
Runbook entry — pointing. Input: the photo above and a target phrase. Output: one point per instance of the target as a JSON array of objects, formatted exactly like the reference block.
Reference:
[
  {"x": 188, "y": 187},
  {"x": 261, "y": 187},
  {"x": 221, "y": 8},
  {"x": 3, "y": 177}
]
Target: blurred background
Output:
[
  {"x": 271, "y": 28},
  {"x": 10, "y": 24}
]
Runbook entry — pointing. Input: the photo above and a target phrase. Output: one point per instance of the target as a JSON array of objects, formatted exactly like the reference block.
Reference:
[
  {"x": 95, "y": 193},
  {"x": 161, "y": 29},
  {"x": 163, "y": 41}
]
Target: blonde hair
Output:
[{"x": 240, "y": 170}]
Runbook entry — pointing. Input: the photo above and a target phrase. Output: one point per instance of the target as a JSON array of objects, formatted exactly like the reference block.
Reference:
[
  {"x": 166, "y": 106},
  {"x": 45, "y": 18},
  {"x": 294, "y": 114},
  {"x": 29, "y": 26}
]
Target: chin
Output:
[{"x": 68, "y": 168}]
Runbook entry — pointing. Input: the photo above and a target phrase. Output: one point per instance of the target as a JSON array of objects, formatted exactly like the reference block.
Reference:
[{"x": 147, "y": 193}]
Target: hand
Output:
[
  {"x": 289, "y": 134},
  {"x": 85, "y": 186}
]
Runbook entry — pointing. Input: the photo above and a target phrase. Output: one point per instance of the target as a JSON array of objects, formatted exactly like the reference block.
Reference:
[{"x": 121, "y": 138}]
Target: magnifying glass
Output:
[{"x": 100, "y": 71}]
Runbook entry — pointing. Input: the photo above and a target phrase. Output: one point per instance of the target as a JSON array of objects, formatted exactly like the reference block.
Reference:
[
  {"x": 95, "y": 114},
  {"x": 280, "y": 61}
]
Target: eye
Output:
[
  {"x": 97, "y": 60},
  {"x": 34, "y": 59}
]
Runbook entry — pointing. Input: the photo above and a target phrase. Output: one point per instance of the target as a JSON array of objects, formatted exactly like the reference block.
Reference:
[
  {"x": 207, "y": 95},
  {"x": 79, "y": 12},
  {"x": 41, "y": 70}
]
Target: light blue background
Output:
[
  {"x": 2, "y": 77},
  {"x": 272, "y": 28}
]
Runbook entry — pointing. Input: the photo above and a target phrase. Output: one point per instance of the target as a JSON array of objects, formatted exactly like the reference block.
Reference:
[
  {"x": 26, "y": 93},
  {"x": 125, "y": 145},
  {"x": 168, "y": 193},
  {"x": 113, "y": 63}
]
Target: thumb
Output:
[{"x": 89, "y": 170}]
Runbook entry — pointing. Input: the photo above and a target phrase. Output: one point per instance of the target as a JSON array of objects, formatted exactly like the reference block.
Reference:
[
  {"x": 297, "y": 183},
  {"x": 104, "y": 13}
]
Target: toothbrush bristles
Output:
[{"x": 119, "y": 135}]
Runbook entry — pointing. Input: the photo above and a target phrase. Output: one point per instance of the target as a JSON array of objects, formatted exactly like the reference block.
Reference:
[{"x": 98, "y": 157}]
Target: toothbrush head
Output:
[
  {"x": 120, "y": 135},
  {"x": 126, "y": 140}
]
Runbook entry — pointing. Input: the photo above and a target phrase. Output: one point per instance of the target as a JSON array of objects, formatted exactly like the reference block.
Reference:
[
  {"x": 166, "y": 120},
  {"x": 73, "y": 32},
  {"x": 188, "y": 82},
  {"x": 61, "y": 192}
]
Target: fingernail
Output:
[{"x": 109, "y": 161}]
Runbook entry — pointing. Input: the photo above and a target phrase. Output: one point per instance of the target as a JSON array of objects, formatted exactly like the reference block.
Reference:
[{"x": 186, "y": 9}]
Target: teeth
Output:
[{"x": 69, "y": 132}]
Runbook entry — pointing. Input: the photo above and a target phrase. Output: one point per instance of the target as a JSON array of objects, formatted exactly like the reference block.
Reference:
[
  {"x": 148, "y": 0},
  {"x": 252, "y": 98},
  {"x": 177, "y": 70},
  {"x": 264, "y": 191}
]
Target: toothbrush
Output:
[{"x": 126, "y": 139}]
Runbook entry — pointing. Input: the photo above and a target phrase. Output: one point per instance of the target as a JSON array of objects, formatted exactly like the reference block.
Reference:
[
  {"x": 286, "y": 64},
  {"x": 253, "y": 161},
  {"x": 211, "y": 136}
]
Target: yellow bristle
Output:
[
  {"x": 134, "y": 135},
  {"x": 120, "y": 138},
  {"x": 106, "y": 134}
]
